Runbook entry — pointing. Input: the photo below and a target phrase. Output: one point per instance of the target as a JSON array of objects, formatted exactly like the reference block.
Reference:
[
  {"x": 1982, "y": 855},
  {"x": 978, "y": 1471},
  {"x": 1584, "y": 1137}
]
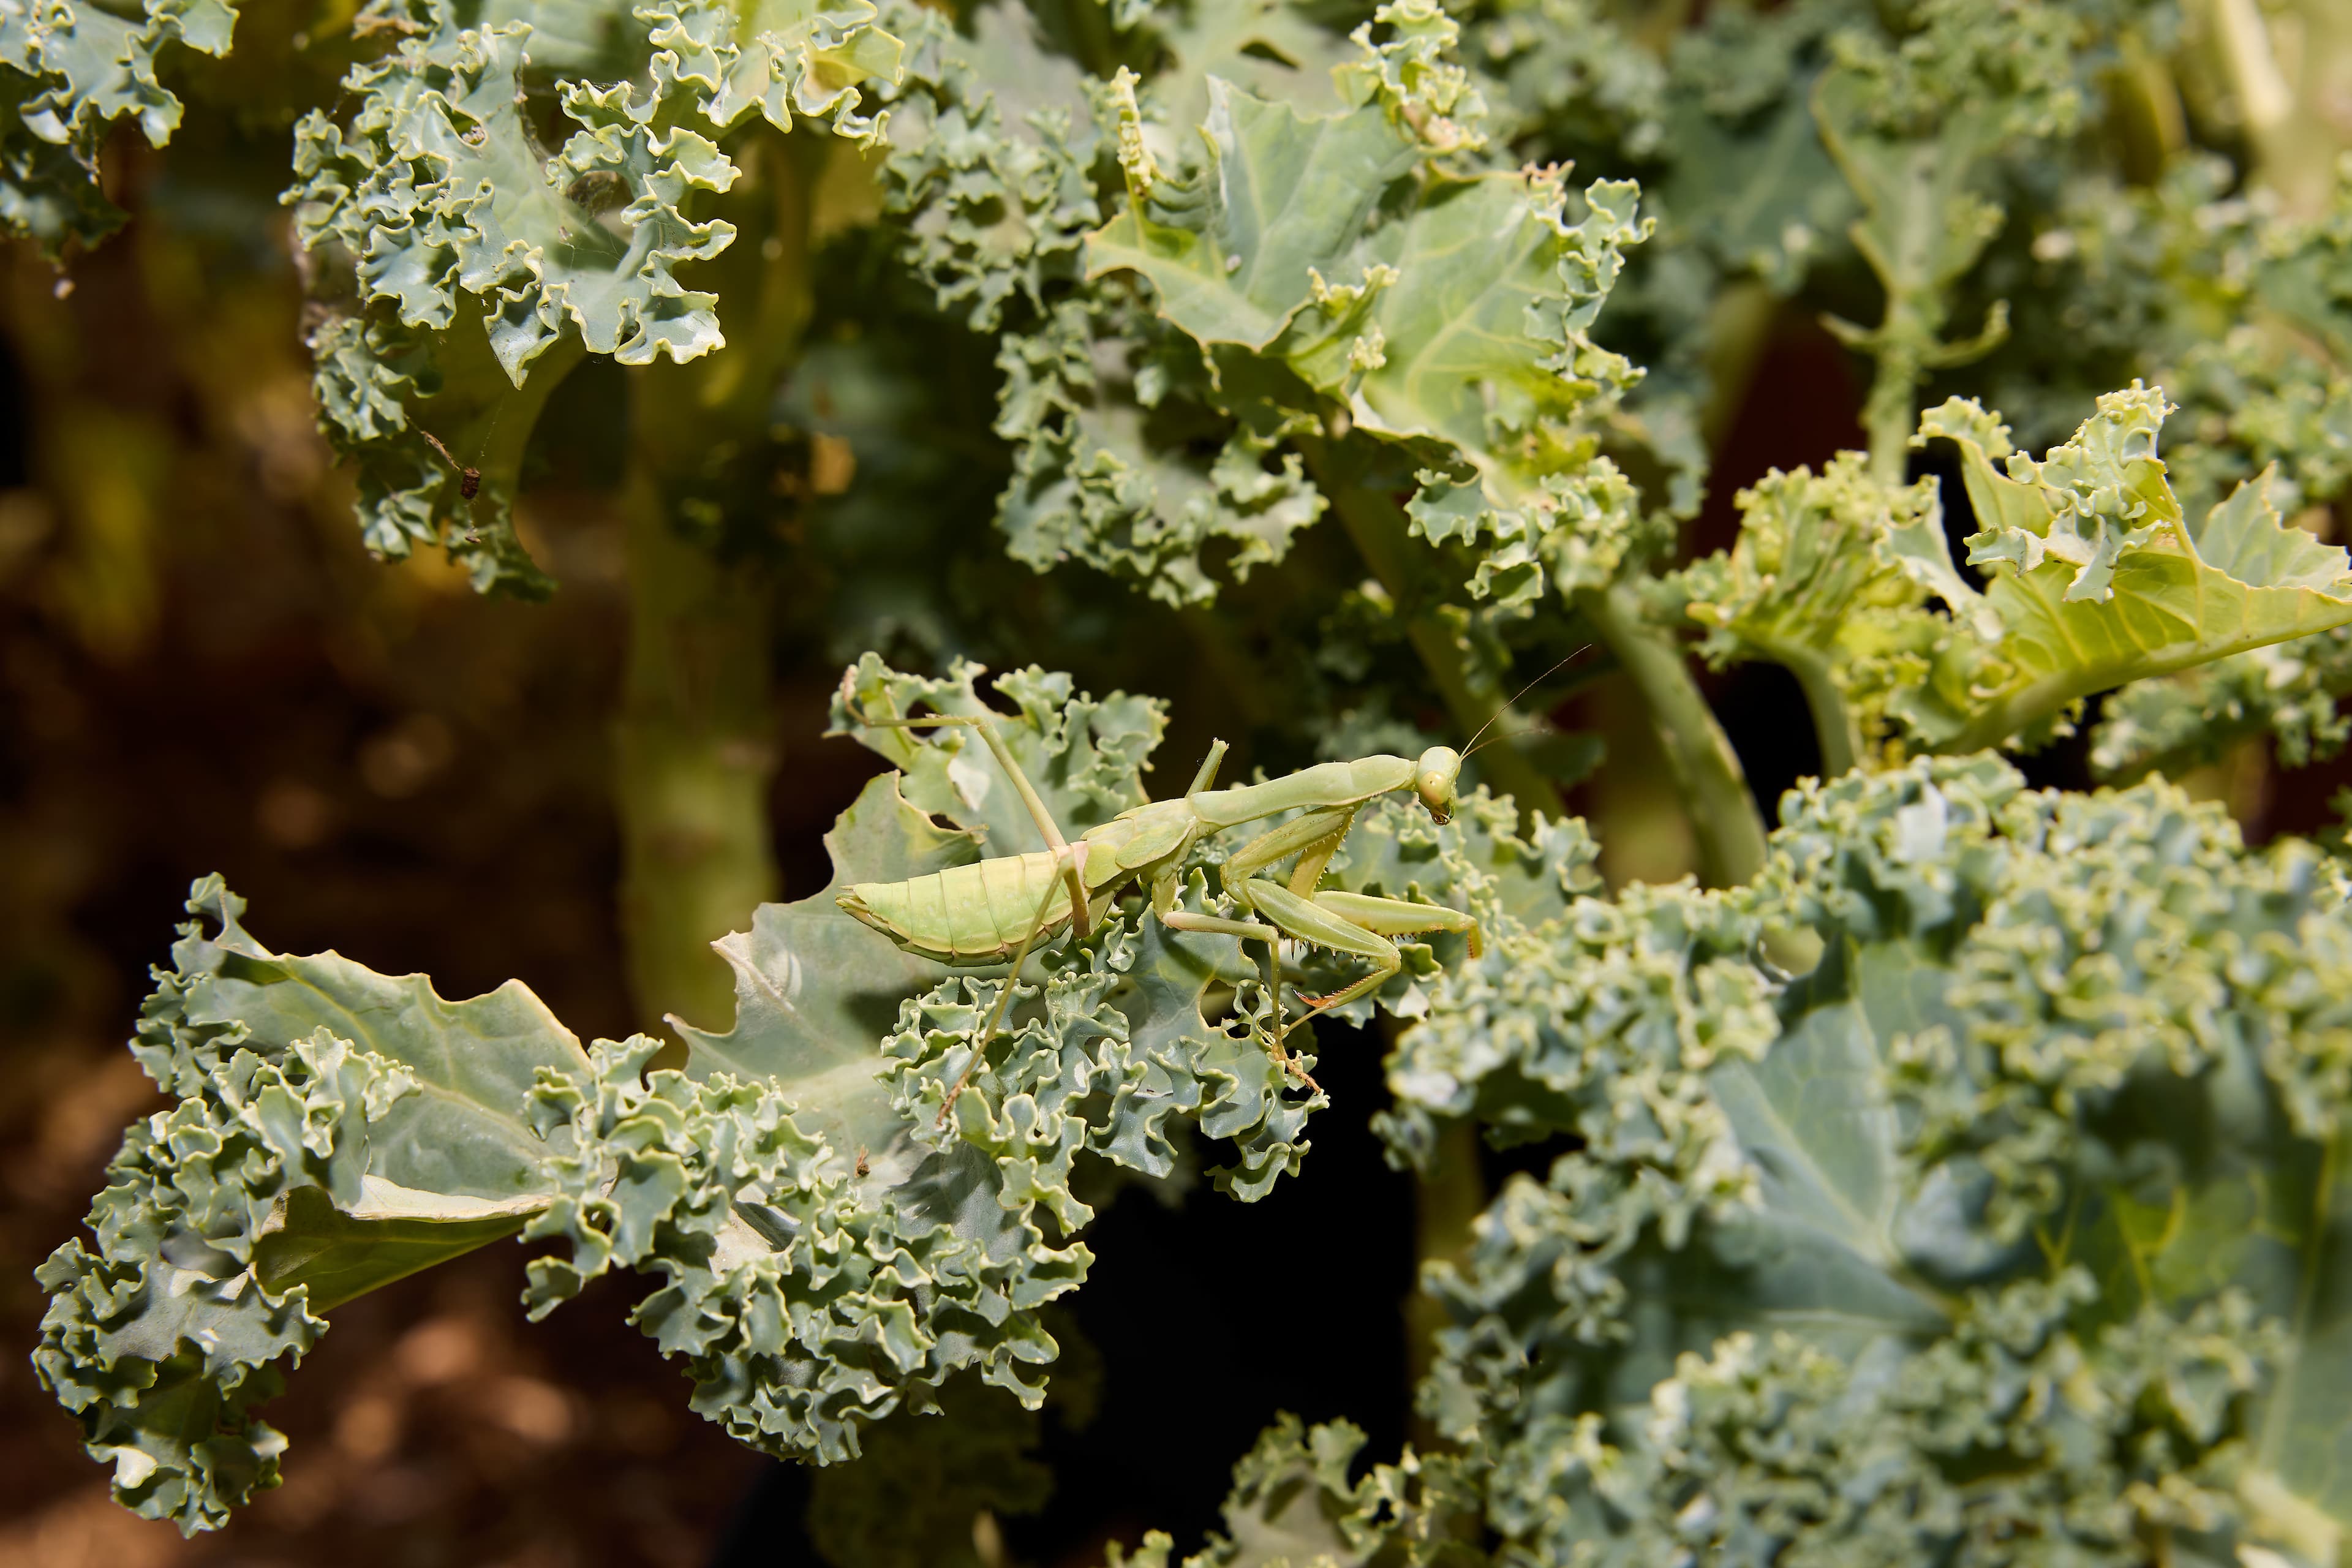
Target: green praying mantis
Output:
[{"x": 997, "y": 909}]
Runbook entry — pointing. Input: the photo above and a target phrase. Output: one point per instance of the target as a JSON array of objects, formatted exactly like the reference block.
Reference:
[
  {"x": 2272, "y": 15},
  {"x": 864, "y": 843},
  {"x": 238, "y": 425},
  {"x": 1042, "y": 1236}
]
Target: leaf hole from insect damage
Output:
[
  {"x": 1259, "y": 49},
  {"x": 1940, "y": 460}
]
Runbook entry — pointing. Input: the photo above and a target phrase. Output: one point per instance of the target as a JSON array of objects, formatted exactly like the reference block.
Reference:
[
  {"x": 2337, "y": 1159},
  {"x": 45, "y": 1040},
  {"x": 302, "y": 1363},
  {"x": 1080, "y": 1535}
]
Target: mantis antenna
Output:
[{"x": 1472, "y": 749}]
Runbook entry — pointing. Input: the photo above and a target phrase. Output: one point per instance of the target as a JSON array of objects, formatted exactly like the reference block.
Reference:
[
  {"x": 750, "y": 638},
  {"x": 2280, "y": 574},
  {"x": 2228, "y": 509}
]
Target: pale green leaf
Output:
[
  {"x": 335, "y": 1129},
  {"x": 2033, "y": 1225},
  {"x": 68, "y": 71},
  {"x": 1235, "y": 248},
  {"x": 1452, "y": 315},
  {"x": 2096, "y": 580},
  {"x": 1085, "y": 757},
  {"x": 1109, "y": 411},
  {"x": 454, "y": 251}
]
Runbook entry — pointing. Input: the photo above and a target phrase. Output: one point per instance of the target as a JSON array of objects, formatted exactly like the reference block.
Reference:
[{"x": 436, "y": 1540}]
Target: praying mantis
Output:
[{"x": 997, "y": 909}]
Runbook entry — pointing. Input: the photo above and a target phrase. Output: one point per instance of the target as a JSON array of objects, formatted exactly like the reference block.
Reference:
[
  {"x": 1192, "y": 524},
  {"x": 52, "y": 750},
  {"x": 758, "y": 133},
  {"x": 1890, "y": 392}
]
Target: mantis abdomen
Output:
[
  {"x": 983, "y": 912},
  {"x": 966, "y": 914}
]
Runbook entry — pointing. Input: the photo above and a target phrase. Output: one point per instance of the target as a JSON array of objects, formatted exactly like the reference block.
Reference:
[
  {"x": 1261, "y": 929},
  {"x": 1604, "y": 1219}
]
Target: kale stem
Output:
[
  {"x": 695, "y": 749},
  {"x": 1707, "y": 771},
  {"x": 1833, "y": 724},
  {"x": 694, "y": 757},
  {"x": 1891, "y": 412},
  {"x": 1376, "y": 523}
]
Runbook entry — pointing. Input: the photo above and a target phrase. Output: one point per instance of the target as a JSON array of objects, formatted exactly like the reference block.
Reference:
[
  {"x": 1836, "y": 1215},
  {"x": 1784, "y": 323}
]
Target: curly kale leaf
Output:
[
  {"x": 824, "y": 1265},
  {"x": 2245, "y": 307},
  {"x": 2007, "y": 1220},
  {"x": 805, "y": 1298},
  {"x": 991, "y": 152},
  {"x": 1292, "y": 1505},
  {"x": 1105, "y": 407},
  {"x": 830, "y": 1247},
  {"x": 2288, "y": 691},
  {"x": 789, "y": 59},
  {"x": 833, "y": 1248},
  {"x": 69, "y": 70},
  {"x": 436, "y": 186},
  {"x": 830, "y": 1250},
  {"x": 1120, "y": 1050},
  {"x": 1086, "y": 757},
  {"x": 1915, "y": 124},
  {"x": 1328, "y": 260},
  {"x": 1269, "y": 48},
  {"x": 453, "y": 250},
  {"x": 2097, "y": 578},
  {"x": 1828, "y": 578},
  {"x": 336, "y": 1129},
  {"x": 911, "y": 1500},
  {"x": 2235, "y": 306},
  {"x": 1570, "y": 67}
]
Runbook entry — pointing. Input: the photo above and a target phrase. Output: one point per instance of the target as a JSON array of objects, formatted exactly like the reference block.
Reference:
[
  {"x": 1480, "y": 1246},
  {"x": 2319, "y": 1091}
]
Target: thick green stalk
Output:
[
  {"x": 694, "y": 756},
  {"x": 1376, "y": 523},
  {"x": 1707, "y": 771},
  {"x": 695, "y": 741},
  {"x": 1739, "y": 330},
  {"x": 2283, "y": 69},
  {"x": 1833, "y": 722},
  {"x": 1891, "y": 412},
  {"x": 497, "y": 438}
]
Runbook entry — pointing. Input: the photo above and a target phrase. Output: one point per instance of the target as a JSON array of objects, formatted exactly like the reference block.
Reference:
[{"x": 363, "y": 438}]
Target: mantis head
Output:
[{"x": 1433, "y": 778}]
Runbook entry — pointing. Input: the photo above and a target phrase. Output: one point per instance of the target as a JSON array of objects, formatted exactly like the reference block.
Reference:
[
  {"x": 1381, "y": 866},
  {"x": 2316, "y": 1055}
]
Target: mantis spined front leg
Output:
[{"x": 1347, "y": 922}]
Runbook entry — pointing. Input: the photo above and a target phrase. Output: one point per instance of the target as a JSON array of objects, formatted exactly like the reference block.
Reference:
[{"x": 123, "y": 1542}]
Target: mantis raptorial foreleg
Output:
[{"x": 1347, "y": 922}]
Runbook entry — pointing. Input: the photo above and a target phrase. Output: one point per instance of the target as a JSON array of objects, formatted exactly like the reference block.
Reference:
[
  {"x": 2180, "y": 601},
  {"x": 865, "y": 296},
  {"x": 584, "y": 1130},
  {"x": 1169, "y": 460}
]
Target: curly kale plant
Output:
[{"x": 1952, "y": 1173}]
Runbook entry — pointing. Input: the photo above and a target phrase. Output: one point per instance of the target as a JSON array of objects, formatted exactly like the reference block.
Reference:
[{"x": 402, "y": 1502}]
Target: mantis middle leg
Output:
[{"x": 1354, "y": 923}]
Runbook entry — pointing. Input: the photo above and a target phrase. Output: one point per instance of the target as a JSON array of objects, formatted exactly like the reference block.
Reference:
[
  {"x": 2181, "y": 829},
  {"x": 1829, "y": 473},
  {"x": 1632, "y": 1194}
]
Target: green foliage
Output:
[
  {"x": 2002, "y": 1222},
  {"x": 438, "y": 184},
  {"x": 68, "y": 72},
  {"x": 1957, "y": 1179},
  {"x": 991, "y": 149},
  {"x": 831, "y": 1245},
  {"x": 1123, "y": 1051},
  {"x": 910, "y": 1503},
  {"x": 1450, "y": 315},
  {"x": 2107, "y": 581},
  {"x": 1292, "y": 1503},
  {"x": 2096, "y": 579},
  {"x": 334, "y": 1131},
  {"x": 1103, "y": 407}
]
